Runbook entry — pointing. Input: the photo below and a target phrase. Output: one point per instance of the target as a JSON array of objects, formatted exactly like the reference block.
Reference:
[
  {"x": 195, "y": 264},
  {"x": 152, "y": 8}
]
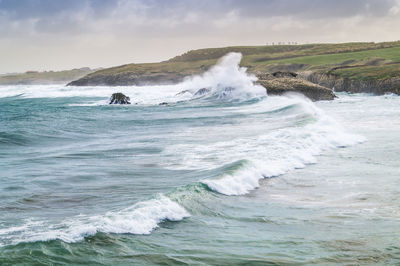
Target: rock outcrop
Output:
[
  {"x": 375, "y": 86},
  {"x": 119, "y": 98},
  {"x": 279, "y": 86}
]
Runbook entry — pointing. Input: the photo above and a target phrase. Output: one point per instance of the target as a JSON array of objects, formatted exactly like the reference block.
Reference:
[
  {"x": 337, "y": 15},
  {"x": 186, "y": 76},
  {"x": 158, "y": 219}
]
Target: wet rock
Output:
[
  {"x": 202, "y": 91},
  {"x": 375, "y": 86},
  {"x": 119, "y": 98},
  {"x": 279, "y": 86}
]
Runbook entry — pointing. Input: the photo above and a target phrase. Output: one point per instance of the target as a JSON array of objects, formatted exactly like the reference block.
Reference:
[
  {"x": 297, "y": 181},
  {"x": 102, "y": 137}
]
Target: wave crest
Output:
[
  {"x": 141, "y": 218},
  {"x": 283, "y": 150}
]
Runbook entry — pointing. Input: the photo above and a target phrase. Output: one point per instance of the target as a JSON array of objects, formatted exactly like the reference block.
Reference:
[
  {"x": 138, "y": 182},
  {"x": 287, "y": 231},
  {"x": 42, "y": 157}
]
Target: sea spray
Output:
[{"x": 226, "y": 80}]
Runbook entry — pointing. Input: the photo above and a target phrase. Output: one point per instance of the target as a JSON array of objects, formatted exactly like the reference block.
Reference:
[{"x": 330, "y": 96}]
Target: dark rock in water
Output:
[
  {"x": 163, "y": 103},
  {"x": 119, "y": 98},
  {"x": 202, "y": 91}
]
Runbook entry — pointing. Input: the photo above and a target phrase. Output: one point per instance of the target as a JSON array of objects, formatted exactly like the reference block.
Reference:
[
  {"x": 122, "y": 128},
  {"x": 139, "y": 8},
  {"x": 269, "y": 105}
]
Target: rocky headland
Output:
[
  {"x": 315, "y": 70},
  {"x": 340, "y": 84},
  {"x": 283, "y": 85}
]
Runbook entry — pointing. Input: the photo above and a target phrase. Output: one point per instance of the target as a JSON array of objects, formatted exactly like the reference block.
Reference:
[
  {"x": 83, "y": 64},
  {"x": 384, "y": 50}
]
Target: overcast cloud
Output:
[{"x": 60, "y": 34}]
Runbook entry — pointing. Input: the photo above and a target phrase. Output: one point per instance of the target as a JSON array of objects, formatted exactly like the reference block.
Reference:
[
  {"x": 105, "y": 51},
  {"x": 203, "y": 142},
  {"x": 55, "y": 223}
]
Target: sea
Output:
[{"x": 227, "y": 175}]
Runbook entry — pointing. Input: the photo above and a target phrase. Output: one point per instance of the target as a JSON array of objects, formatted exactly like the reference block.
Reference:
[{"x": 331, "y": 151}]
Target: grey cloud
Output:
[
  {"x": 52, "y": 16},
  {"x": 314, "y": 8},
  {"x": 110, "y": 32},
  {"x": 24, "y": 9},
  {"x": 31, "y": 8},
  {"x": 268, "y": 8},
  {"x": 82, "y": 16}
]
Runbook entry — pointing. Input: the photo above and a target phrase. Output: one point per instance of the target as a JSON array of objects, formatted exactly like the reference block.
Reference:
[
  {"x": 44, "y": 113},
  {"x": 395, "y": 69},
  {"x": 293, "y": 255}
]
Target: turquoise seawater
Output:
[{"x": 224, "y": 178}]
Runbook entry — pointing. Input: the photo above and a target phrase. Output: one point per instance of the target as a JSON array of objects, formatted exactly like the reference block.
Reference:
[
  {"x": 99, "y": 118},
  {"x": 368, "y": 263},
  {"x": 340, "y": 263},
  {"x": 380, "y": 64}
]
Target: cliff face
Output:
[{"x": 375, "y": 86}]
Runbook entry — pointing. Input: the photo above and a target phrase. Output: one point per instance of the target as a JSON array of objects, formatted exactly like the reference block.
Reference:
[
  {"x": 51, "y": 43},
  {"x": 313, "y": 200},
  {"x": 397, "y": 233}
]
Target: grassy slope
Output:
[
  {"x": 379, "y": 63},
  {"x": 45, "y": 77},
  {"x": 361, "y": 60}
]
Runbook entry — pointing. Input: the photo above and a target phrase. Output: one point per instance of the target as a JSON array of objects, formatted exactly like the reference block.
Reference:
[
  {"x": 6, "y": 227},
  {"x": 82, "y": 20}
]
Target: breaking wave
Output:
[
  {"x": 225, "y": 80},
  {"x": 141, "y": 218}
]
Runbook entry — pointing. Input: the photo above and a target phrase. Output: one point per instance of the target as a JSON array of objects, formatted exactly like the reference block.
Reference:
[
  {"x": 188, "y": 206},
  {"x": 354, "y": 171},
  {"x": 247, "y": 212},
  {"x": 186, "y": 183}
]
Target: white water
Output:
[
  {"x": 227, "y": 74},
  {"x": 141, "y": 218},
  {"x": 270, "y": 153}
]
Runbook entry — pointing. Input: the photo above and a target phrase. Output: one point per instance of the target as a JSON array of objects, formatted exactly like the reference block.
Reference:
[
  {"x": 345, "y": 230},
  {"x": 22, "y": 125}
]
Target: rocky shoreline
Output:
[
  {"x": 277, "y": 83},
  {"x": 339, "y": 84},
  {"x": 283, "y": 85},
  {"x": 315, "y": 86}
]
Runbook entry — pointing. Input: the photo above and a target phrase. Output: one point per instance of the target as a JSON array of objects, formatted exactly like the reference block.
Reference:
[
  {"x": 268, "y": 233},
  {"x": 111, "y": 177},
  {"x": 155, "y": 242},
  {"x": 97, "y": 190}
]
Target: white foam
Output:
[
  {"x": 294, "y": 148},
  {"x": 227, "y": 74},
  {"x": 268, "y": 151},
  {"x": 141, "y": 218}
]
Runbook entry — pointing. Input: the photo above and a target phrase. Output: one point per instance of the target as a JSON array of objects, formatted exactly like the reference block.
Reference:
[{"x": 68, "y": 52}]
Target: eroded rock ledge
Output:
[
  {"x": 375, "y": 86},
  {"x": 289, "y": 83}
]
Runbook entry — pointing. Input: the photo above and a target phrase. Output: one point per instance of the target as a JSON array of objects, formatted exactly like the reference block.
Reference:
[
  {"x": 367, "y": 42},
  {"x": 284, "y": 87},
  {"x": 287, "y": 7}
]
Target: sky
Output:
[{"x": 65, "y": 34}]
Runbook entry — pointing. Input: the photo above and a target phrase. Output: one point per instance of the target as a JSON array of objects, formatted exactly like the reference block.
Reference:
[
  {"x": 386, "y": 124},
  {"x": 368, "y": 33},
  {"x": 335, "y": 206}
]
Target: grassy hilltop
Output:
[{"x": 354, "y": 61}]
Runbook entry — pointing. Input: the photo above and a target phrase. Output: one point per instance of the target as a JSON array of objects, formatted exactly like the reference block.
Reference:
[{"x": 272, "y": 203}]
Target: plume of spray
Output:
[{"x": 226, "y": 80}]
